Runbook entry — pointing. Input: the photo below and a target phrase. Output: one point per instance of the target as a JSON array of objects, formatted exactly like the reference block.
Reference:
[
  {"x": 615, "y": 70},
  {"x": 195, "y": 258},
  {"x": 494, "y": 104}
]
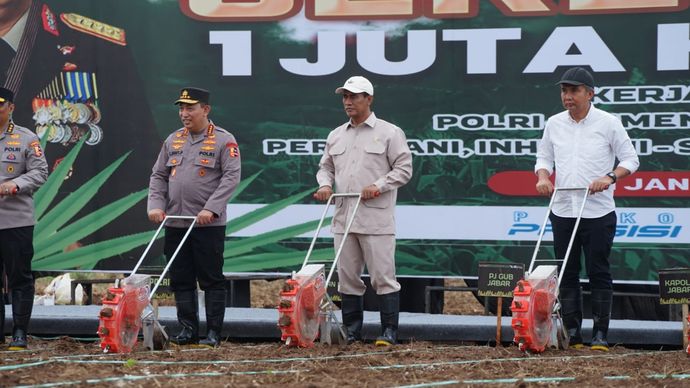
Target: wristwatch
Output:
[{"x": 613, "y": 177}]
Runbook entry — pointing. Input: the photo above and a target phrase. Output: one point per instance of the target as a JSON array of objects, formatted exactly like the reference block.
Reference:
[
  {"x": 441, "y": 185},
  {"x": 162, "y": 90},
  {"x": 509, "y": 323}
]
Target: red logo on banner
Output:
[{"x": 640, "y": 184}]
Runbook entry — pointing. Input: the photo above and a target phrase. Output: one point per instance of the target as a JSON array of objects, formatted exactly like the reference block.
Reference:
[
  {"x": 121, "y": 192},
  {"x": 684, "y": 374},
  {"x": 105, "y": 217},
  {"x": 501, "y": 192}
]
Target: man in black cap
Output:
[
  {"x": 197, "y": 171},
  {"x": 583, "y": 142},
  {"x": 23, "y": 169}
]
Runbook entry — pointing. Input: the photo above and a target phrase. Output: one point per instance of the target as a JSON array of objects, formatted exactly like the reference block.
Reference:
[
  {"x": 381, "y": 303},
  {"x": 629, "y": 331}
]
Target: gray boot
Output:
[
  {"x": 601, "y": 315},
  {"x": 352, "y": 309},
  {"x": 215, "y": 316},
  {"x": 571, "y": 312},
  {"x": 389, "y": 306},
  {"x": 187, "y": 304}
]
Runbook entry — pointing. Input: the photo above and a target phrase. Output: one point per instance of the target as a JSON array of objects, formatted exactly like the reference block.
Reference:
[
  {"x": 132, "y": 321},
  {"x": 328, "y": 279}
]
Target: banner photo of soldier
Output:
[{"x": 471, "y": 84}]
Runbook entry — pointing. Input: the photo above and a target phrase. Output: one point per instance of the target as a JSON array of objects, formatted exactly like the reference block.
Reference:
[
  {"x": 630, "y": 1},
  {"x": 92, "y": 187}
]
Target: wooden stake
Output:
[
  {"x": 685, "y": 326},
  {"x": 499, "y": 313}
]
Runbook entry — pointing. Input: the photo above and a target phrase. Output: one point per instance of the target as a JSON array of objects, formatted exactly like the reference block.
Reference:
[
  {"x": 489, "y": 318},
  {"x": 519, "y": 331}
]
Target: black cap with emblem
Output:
[
  {"x": 193, "y": 95},
  {"x": 6, "y": 95}
]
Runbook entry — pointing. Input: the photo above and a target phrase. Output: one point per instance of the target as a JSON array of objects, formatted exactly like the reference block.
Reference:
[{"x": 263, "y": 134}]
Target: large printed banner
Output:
[
  {"x": 470, "y": 82},
  {"x": 500, "y": 223}
]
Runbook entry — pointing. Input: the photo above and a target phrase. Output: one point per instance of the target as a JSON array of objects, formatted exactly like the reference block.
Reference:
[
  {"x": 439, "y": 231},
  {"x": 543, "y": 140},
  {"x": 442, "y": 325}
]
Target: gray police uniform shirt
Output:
[
  {"x": 374, "y": 152},
  {"x": 24, "y": 163},
  {"x": 193, "y": 174}
]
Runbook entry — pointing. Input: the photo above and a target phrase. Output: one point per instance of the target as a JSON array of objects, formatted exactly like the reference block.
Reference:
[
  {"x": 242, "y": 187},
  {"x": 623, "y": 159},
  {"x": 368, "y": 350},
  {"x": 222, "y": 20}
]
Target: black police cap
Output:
[
  {"x": 193, "y": 95},
  {"x": 577, "y": 76},
  {"x": 6, "y": 95}
]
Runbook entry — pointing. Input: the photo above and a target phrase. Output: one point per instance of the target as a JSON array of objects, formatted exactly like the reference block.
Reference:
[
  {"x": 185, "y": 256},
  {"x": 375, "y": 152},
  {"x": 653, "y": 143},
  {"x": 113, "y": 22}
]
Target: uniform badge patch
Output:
[
  {"x": 233, "y": 149},
  {"x": 66, "y": 50},
  {"x": 37, "y": 148},
  {"x": 95, "y": 28},
  {"x": 49, "y": 21},
  {"x": 11, "y": 157}
]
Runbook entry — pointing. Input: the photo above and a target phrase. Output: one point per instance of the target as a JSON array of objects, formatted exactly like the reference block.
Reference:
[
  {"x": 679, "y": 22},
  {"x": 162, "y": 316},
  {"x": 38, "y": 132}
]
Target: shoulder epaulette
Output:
[{"x": 95, "y": 28}]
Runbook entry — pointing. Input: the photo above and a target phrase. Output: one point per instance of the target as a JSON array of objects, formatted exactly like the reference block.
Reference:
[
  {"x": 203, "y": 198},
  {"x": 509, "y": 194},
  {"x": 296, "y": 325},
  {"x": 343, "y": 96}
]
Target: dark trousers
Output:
[
  {"x": 16, "y": 252},
  {"x": 594, "y": 237},
  {"x": 200, "y": 258}
]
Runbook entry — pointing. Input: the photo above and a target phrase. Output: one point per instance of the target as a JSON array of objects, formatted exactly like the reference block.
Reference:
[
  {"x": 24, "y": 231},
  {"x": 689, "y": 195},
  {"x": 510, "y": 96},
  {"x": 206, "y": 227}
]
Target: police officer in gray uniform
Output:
[
  {"x": 23, "y": 169},
  {"x": 197, "y": 171}
]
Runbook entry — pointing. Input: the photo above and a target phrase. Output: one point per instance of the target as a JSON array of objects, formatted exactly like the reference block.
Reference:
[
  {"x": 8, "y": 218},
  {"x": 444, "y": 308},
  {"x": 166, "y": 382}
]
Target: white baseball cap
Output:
[{"x": 357, "y": 84}]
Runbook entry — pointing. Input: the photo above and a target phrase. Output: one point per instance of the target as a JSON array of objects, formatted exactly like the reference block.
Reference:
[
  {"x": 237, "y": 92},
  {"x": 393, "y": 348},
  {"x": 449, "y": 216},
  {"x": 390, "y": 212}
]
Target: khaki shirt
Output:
[
  {"x": 23, "y": 163},
  {"x": 191, "y": 175},
  {"x": 374, "y": 152}
]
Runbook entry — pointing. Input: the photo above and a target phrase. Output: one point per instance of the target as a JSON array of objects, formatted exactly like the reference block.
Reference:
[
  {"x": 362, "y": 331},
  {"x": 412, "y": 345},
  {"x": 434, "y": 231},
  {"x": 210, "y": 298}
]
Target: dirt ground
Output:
[
  {"x": 67, "y": 361},
  {"x": 264, "y": 294}
]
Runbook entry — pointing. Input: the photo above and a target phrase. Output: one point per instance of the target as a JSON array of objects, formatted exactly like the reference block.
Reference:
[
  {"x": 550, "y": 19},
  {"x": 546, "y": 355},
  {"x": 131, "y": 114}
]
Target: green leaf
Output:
[
  {"x": 262, "y": 261},
  {"x": 45, "y": 195},
  {"x": 257, "y": 215},
  {"x": 44, "y": 140},
  {"x": 90, "y": 255},
  {"x": 45, "y": 244},
  {"x": 408, "y": 259},
  {"x": 238, "y": 247},
  {"x": 67, "y": 208},
  {"x": 244, "y": 183},
  {"x": 426, "y": 180}
]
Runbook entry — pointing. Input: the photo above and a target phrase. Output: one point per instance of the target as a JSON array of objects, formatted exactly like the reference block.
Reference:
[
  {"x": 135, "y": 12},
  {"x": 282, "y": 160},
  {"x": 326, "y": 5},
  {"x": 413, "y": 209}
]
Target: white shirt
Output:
[
  {"x": 14, "y": 35},
  {"x": 583, "y": 152}
]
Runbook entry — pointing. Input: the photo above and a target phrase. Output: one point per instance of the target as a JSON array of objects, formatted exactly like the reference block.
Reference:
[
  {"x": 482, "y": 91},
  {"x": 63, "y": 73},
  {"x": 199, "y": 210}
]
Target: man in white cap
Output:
[{"x": 370, "y": 156}]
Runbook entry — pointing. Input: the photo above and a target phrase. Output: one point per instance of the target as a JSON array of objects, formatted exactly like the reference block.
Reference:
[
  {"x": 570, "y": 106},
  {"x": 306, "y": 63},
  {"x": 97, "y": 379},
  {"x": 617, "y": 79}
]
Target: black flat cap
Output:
[
  {"x": 6, "y": 95},
  {"x": 577, "y": 76}
]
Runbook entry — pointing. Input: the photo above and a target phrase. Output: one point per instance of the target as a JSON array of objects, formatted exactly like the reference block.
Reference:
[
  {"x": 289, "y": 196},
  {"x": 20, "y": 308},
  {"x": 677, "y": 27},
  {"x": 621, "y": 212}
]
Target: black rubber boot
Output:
[
  {"x": 22, "y": 304},
  {"x": 215, "y": 315},
  {"x": 389, "y": 306},
  {"x": 601, "y": 315},
  {"x": 188, "y": 315},
  {"x": 352, "y": 309},
  {"x": 571, "y": 312}
]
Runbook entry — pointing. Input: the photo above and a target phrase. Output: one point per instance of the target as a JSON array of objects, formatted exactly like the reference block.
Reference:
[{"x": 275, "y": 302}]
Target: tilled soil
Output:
[{"x": 65, "y": 361}]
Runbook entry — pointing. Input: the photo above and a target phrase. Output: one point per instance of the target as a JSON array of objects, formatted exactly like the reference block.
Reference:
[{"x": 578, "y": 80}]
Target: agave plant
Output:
[{"x": 54, "y": 231}]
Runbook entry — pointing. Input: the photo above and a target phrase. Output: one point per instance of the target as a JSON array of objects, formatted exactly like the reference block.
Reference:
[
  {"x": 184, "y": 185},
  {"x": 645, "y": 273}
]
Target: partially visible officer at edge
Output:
[
  {"x": 370, "y": 156},
  {"x": 197, "y": 170},
  {"x": 583, "y": 143},
  {"x": 23, "y": 169}
]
